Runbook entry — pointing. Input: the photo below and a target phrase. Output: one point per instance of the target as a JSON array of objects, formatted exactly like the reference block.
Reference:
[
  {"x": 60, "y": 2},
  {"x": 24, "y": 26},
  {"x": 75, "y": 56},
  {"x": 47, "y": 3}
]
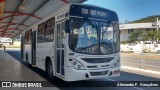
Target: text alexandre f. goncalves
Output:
[{"x": 137, "y": 84}]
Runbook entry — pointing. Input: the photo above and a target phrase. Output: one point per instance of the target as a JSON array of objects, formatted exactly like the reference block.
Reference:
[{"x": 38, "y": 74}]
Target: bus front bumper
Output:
[{"x": 76, "y": 75}]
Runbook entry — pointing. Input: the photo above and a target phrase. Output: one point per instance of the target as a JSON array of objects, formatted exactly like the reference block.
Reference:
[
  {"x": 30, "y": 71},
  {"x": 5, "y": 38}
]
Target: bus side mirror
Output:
[{"x": 67, "y": 26}]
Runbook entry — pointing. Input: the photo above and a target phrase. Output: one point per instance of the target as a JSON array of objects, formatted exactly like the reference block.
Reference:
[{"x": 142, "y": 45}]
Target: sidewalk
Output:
[{"x": 12, "y": 70}]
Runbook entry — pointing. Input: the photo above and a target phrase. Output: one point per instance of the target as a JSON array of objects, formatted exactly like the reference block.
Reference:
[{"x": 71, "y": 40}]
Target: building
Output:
[
  {"x": 5, "y": 41},
  {"x": 15, "y": 42},
  {"x": 127, "y": 29}
]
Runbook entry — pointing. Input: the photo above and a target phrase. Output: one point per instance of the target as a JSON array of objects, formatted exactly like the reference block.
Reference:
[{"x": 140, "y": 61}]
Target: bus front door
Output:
[
  {"x": 60, "y": 36},
  {"x": 33, "y": 48}
]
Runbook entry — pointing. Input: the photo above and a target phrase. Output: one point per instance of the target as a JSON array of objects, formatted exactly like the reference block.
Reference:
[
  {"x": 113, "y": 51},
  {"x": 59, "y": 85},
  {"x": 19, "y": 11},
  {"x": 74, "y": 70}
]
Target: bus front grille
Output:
[
  {"x": 92, "y": 66},
  {"x": 98, "y": 73},
  {"x": 97, "y": 60}
]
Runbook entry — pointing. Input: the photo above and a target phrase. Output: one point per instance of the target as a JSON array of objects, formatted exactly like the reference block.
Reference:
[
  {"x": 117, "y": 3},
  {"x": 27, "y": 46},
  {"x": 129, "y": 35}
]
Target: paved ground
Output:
[
  {"x": 145, "y": 61},
  {"x": 12, "y": 70},
  {"x": 92, "y": 84}
]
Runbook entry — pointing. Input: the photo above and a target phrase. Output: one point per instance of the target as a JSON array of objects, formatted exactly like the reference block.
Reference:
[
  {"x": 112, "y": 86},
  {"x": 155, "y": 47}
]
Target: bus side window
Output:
[
  {"x": 28, "y": 37},
  {"x": 63, "y": 34},
  {"x": 25, "y": 37},
  {"x": 41, "y": 32},
  {"x": 58, "y": 35},
  {"x": 49, "y": 33}
]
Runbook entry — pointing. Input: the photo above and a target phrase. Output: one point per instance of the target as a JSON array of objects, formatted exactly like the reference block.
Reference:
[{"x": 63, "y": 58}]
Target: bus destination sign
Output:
[{"x": 91, "y": 12}]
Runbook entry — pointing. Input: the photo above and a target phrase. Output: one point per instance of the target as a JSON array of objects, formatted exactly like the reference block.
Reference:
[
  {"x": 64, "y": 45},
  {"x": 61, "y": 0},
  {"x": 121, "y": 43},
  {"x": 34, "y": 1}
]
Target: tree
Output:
[
  {"x": 144, "y": 37},
  {"x": 152, "y": 35},
  {"x": 158, "y": 35},
  {"x": 134, "y": 36},
  {"x": 147, "y": 19}
]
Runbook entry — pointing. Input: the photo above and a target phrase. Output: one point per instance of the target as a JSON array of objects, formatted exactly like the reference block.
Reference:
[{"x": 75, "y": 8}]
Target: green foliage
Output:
[
  {"x": 133, "y": 38},
  {"x": 147, "y": 19},
  {"x": 144, "y": 37},
  {"x": 152, "y": 35},
  {"x": 158, "y": 35},
  {"x": 124, "y": 42}
]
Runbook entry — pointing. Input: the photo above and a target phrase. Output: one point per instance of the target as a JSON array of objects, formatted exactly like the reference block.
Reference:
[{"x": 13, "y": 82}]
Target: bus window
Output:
[
  {"x": 63, "y": 34},
  {"x": 49, "y": 34},
  {"x": 93, "y": 37},
  {"x": 28, "y": 37},
  {"x": 25, "y": 37},
  {"x": 109, "y": 37},
  {"x": 58, "y": 36},
  {"x": 41, "y": 31}
]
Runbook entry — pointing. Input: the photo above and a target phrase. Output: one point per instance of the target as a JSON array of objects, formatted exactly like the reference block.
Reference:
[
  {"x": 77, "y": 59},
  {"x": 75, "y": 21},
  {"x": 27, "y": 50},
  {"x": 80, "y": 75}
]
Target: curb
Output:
[{"x": 139, "y": 69}]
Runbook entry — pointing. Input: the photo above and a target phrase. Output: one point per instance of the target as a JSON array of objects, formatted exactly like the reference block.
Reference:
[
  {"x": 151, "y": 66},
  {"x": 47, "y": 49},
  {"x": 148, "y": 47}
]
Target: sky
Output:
[{"x": 129, "y": 9}]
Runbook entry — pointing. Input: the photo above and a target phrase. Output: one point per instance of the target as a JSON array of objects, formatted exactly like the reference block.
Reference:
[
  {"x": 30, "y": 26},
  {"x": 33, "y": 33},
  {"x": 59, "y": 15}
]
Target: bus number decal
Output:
[
  {"x": 84, "y": 11},
  {"x": 93, "y": 12}
]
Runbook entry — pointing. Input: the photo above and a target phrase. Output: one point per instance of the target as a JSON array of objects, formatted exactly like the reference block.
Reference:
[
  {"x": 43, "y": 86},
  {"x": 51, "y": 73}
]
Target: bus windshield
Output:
[{"x": 93, "y": 36}]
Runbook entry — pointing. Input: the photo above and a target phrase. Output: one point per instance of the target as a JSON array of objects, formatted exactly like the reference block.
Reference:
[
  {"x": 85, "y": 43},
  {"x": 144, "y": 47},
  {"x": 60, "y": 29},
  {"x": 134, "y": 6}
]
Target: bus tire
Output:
[{"x": 49, "y": 69}]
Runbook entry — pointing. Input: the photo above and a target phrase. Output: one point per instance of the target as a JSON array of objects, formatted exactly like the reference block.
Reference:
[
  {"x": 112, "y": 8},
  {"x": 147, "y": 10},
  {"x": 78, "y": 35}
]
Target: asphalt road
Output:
[
  {"x": 145, "y": 61},
  {"x": 91, "y": 84}
]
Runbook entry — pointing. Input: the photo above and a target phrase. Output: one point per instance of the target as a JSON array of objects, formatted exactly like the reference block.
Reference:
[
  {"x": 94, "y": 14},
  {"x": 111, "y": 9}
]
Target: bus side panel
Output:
[{"x": 43, "y": 50}]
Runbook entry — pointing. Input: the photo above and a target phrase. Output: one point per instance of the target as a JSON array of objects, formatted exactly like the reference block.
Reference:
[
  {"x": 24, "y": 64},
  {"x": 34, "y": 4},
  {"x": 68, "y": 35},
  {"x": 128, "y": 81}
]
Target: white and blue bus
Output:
[{"x": 78, "y": 42}]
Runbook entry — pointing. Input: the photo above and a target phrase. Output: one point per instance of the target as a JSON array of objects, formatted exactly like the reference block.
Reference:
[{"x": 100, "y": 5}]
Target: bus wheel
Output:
[{"x": 50, "y": 69}]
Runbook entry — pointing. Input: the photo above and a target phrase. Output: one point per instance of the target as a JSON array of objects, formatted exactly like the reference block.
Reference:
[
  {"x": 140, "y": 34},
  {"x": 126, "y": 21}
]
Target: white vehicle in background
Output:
[{"x": 78, "y": 42}]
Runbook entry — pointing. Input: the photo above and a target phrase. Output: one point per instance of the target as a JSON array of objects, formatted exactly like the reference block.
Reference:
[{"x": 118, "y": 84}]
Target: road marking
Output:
[
  {"x": 138, "y": 88},
  {"x": 131, "y": 87},
  {"x": 110, "y": 79}
]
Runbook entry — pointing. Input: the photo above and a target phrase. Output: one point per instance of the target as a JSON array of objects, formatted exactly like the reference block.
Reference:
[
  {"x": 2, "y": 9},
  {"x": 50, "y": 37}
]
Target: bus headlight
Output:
[
  {"x": 77, "y": 65},
  {"x": 116, "y": 63}
]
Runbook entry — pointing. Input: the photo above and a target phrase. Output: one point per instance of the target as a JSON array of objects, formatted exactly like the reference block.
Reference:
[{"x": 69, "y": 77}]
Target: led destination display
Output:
[{"x": 92, "y": 12}]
